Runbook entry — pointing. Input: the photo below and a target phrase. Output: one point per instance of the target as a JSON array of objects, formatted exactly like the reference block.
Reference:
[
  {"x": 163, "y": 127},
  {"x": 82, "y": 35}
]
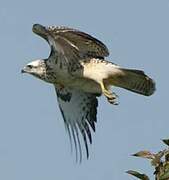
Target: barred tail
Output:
[{"x": 134, "y": 80}]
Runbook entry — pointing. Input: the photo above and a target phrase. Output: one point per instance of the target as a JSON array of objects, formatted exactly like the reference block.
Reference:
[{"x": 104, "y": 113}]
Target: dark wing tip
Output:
[{"x": 39, "y": 29}]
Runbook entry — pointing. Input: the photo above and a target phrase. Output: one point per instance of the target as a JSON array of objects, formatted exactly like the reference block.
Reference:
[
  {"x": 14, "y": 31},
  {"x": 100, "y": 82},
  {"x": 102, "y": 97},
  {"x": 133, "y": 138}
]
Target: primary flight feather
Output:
[{"x": 79, "y": 72}]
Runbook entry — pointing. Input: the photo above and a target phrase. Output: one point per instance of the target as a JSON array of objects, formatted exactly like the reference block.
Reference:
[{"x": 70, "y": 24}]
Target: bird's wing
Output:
[
  {"x": 71, "y": 45},
  {"x": 79, "y": 110}
]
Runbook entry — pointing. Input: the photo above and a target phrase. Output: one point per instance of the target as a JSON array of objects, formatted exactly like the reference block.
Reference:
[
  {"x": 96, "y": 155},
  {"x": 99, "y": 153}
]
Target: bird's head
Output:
[{"x": 36, "y": 68}]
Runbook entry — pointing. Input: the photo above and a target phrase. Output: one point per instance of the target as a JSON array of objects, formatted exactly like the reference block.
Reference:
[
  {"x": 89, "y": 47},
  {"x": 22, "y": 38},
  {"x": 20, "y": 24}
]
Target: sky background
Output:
[{"x": 33, "y": 142}]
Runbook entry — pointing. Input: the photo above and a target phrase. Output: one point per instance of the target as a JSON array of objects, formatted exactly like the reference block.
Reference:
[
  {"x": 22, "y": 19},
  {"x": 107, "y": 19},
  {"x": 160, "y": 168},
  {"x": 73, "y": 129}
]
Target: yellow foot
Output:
[{"x": 111, "y": 97}]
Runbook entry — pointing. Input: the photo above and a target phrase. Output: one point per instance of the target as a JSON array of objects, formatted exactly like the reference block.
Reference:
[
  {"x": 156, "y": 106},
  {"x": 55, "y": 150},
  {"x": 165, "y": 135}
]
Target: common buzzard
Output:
[{"x": 79, "y": 72}]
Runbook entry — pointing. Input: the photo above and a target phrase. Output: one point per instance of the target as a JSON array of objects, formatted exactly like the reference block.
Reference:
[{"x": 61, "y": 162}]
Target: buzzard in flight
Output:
[{"x": 79, "y": 72}]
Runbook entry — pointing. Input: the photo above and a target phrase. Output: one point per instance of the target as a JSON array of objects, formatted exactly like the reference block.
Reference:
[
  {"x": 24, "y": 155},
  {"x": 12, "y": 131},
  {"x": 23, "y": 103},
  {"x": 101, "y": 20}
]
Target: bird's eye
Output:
[{"x": 30, "y": 66}]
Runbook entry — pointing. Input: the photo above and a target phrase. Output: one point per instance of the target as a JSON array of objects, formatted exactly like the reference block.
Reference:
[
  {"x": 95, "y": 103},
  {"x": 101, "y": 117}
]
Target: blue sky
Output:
[{"x": 33, "y": 142}]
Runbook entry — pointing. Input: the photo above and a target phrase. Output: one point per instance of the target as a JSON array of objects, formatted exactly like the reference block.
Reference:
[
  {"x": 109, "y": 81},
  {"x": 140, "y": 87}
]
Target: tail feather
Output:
[{"x": 134, "y": 80}]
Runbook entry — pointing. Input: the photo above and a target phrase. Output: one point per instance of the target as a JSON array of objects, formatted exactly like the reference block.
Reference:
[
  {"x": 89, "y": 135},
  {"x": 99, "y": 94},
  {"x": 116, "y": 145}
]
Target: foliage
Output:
[{"x": 159, "y": 160}]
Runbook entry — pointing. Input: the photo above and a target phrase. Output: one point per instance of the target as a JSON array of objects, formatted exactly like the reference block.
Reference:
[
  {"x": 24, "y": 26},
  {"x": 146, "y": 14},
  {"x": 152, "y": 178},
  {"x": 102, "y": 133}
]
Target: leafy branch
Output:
[{"x": 159, "y": 160}]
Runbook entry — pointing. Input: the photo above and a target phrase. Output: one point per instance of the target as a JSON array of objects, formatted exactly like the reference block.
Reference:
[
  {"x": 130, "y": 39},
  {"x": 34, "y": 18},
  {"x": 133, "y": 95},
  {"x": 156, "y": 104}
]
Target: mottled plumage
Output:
[{"x": 79, "y": 72}]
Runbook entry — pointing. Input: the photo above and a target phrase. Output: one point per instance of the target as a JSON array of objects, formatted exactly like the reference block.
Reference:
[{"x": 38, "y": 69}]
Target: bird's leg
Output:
[{"x": 111, "y": 97}]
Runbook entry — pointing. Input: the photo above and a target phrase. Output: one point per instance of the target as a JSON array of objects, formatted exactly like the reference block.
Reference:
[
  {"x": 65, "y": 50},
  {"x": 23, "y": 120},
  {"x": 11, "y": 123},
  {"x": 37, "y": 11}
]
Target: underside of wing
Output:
[
  {"x": 79, "y": 112},
  {"x": 71, "y": 44}
]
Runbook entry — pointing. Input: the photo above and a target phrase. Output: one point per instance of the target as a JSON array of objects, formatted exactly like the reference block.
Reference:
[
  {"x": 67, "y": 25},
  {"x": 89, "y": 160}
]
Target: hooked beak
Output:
[
  {"x": 25, "y": 70},
  {"x": 22, "y": 71}
]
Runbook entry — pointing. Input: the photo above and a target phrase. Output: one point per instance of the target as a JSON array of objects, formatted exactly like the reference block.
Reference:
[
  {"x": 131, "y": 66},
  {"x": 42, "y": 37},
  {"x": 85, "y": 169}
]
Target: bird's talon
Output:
[{"x": 112, "y": 98}]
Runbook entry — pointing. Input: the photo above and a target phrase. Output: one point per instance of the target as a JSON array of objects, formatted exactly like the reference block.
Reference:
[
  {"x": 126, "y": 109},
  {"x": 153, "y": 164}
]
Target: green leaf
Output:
[
  {"x": 138, "y": 175},
  {"x": 165, "y": 176},
  {"x": 144, "y": 154}
]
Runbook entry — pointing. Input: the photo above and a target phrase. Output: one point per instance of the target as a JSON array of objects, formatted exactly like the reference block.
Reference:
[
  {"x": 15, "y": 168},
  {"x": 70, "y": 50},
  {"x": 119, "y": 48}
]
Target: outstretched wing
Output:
[
  {"x": 71, "y": 45},
  {"x": 79, "y": 110}
]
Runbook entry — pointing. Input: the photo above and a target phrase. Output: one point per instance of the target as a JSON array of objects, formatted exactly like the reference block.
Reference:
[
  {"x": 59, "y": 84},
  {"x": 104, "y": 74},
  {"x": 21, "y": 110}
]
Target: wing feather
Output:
[
  {"x": 71, "y": 45},
  {"x": 79, "y": 111}
]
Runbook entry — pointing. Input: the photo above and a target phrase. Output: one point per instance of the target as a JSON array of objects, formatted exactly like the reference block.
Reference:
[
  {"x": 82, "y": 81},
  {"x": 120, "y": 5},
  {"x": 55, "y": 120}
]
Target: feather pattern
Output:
[
  {"x": 79, "y": 111},
  {"x": 71, "y": 45},
  {"x": 79, "y": 72}
]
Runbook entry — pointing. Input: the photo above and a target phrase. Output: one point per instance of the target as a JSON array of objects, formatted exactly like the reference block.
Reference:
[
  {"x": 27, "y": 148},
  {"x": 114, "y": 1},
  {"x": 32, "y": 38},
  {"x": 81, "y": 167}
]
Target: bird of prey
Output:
[{"x": 79, "y": 72}]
